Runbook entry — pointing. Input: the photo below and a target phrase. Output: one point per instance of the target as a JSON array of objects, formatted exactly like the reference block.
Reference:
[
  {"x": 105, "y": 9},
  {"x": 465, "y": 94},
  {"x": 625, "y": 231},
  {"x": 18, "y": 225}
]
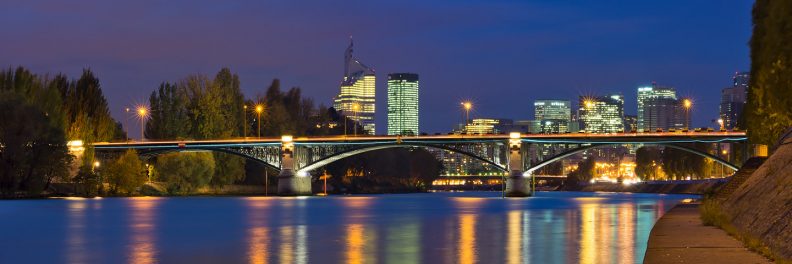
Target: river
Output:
[{"x": 459, "y": 227}]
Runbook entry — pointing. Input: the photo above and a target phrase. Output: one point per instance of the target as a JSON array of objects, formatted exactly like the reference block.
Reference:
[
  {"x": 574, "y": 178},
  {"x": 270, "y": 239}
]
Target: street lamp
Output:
[
  {"x": 244, "y": 119},
  {"x": 126, "y": 123},
  {"x": 259, "y": 110},
  {"x": 467, "y": 106},
  {"x": 355, "y": 109},
  {"x": 142, "y": 113},
  {"x": 720, "y": 122},
  {"x": 688, "y": 104}
]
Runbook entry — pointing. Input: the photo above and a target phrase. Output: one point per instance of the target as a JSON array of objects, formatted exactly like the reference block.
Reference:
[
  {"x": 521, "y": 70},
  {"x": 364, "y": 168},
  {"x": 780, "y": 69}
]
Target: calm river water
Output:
[{"x": 463, "y": 227}]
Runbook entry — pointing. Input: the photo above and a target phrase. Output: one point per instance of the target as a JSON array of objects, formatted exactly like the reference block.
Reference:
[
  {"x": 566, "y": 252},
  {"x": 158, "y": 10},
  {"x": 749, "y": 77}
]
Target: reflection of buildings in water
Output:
[
  {"x": 361, "y": 242},
  {"x": 466, "y": 250},
  {"x": 143, "y": 215},
  {"x": 293, "y": 244},
  {"x": 626, "y": 232},
  {"x": 258, "y": 233},
  {"x": 608, "y": 233},
  {"x": 76, "y": 250},
  {"x": 403, "y": 241},
  {"x": 286, "y": 252},
  {"x": 588, "y": 240},
  {"x": 517, "y": 236}
]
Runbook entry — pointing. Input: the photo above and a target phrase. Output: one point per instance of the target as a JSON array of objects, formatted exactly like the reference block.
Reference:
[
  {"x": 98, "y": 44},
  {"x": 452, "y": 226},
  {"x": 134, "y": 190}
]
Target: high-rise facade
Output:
[
  {"x": 403, "y": 104},
  {"x": 658, "y": 108},
  {"x": 604, "y": 114},
  {"x": 358, "y": 90},
  {"x": 733, "y": 100},
  {"x": 553, "y": 115}
]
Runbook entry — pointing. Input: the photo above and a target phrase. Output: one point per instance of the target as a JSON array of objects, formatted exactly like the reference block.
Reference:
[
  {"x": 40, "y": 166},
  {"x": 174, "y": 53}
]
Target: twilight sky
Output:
[{"x": 502, "y": 55}]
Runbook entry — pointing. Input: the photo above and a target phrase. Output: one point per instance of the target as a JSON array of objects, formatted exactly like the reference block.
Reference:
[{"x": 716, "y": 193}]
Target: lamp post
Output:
[
  {"x": 355, "y": 108},
  {"x": 244, "y": 119},
  {"x": 126, "y": 123},
  {"x": 720, "y": 122},
  {"x": 687, "y": 104},
  {"x": 142, "y": 113},
  {"x": 467, "y": 106},
  {"x": 259, "y": 110}
]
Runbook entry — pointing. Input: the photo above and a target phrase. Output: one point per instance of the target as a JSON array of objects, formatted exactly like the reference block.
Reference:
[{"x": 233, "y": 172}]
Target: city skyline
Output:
[{"x": 541, "y": 42}]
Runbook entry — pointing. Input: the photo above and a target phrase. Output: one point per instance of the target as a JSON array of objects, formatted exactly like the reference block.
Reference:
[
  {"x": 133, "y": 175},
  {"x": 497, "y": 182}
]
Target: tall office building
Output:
[
  {"x": 403, "y": 104},
  {"x": 553, "y": 115},
  {"x": 733, "y": 100},
  {"x": 658, "y": 108},
  {"x": 604, "y": 114},
  {"x": 356, "y": 99}
]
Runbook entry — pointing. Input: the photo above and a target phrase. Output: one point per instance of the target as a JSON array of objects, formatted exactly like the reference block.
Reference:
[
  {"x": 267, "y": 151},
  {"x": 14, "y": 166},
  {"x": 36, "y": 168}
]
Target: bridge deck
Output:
[{"x": 549, "y": 138}]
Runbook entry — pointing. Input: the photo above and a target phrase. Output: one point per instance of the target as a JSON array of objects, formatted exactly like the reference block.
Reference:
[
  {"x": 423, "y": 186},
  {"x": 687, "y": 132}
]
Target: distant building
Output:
[
  {"x": 733, "y": 100},
  {"x": 658, "y": 107},
  {"x": 403, "y": 104},
  {"x": 553, "y": 116},
  {"x": 357, "y": 97},
  {"x": 603, "y": 114},
  {"x": 484, "y": 126},
  {"x": 630, "y": 123},
  {"x": 523, "y": 126}
]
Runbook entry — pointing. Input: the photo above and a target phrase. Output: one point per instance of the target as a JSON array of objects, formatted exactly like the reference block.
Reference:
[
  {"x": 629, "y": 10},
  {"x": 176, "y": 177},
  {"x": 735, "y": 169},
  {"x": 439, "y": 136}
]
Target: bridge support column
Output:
[
  {"x": 516, "y": 184},
  {"x": 289, "y": 182}
]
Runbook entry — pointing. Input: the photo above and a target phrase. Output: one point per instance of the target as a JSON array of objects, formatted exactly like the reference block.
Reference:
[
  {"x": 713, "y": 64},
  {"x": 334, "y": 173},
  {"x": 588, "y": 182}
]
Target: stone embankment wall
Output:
[{"x": 762, "y": 206}]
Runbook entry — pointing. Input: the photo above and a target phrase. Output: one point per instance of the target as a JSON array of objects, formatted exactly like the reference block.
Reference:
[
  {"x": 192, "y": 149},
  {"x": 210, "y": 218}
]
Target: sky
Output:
[{"x": 501, "y": 55}]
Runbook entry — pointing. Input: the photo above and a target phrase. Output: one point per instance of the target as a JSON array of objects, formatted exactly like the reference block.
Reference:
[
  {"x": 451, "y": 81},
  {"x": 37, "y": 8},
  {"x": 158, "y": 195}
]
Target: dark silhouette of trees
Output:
[
  {"x": 32, "y": 148},
  {"x": 768, "y": 112}
]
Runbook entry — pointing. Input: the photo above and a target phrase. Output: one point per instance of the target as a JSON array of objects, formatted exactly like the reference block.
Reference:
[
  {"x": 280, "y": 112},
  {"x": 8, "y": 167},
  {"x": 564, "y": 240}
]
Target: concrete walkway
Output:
[{"x": 680, "y": 237}]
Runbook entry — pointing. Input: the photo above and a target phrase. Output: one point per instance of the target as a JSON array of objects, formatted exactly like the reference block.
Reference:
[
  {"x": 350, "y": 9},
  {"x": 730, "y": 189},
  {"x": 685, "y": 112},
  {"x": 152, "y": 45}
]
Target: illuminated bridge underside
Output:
[
  {"x": 574, "y": 151},
  {"x": 313, "y": 153},
  {"x": 489, "y": 152}
]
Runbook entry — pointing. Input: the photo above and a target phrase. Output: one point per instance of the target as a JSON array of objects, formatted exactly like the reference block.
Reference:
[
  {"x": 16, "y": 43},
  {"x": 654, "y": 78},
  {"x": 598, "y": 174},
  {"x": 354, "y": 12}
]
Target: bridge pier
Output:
[
  {"x": 517, "y": 185},
  {"x": 289, "y": 182}
]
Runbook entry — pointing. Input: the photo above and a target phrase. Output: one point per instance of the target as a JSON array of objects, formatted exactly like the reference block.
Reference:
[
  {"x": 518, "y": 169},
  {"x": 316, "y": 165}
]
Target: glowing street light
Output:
[
  {"x": 142, "y": 114},
  {"x": 355, "y": 109},
  {"x": 467, "y": 105},
  {"x": 687, "y": 104},
  {"x": 720, "y": 122},
  {"x": 259, "y": 110}
]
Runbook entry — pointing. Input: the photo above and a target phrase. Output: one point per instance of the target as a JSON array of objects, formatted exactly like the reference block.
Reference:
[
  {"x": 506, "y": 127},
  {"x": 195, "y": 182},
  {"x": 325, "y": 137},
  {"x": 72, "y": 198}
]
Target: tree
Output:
[
  {"x": 184, "y": 172},
  {"x": 584, "y": 173},
  {"x": 768, "y": 112},
  {"x": 126, "y": 174},
  {"x": 169, "y": 117},
  {"x": 647, "y": 160},
  {"x": 33, "y": 150}
]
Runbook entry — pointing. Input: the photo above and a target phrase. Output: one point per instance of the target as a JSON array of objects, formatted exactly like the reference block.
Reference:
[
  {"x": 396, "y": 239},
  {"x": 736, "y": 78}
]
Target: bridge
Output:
[{"x": 517, "y": 154}]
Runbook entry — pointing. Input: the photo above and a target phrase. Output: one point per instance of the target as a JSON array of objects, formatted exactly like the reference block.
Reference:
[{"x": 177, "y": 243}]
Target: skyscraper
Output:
[
  {"x": 403, "y": 104},
  {"x": 733, "y": 100},
  {"x": 358, "y": 88},
  {"x": 657, "y": 108},
  {"x": 604, "y": 114},
  {"x": 553, "y": 115}
]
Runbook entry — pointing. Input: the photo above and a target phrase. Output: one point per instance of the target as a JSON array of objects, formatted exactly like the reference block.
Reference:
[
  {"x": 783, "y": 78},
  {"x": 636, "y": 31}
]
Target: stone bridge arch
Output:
[{"x": 574, "y": 151}]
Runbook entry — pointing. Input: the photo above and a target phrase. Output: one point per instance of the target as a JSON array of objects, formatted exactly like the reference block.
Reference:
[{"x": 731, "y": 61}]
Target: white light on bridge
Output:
[
  {"x": 514, "y": 135},
  {"x": 286, "y": 138}
]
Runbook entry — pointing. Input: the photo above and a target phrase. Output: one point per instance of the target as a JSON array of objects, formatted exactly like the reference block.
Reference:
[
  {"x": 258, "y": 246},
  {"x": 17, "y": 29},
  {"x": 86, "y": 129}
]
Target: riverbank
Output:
[
  {"x": 681, "y": 237},
  {"x": 667, "y": 187}
]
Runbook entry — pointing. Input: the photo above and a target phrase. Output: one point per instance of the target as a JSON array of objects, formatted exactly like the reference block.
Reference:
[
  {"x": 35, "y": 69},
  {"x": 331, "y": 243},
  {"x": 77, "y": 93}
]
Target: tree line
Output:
[{"x": 40, "y": 114}]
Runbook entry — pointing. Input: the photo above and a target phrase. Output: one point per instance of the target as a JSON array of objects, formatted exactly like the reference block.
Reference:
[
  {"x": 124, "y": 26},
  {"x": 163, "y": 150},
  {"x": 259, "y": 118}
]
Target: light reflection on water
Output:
[{"x": 411, "y": 228}]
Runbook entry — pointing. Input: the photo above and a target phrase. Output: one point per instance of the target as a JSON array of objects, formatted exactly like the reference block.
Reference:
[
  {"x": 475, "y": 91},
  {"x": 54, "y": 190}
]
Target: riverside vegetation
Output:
[{"x": 39, "y": 114}]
